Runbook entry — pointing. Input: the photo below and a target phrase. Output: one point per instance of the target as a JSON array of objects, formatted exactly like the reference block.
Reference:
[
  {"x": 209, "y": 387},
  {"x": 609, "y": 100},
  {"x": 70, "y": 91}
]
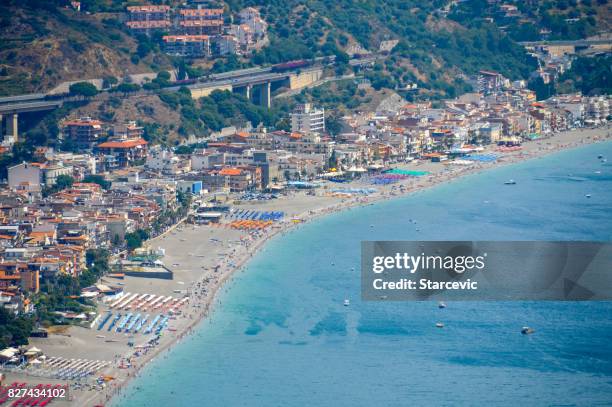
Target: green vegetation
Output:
[
  {"x": 44, "y": 43},
  {"x": 98, "y": 179},
  {"x": 61, "y": 182},
  {"x": 183, "y": 150},
  {"x": 433, "y": 50},
  {"x": 83, "y": 89},
  {"x": 61, "y": 293},
  {"x": 20, "y": 152},
  {"x": 126, "y": 88},
  {"x": 338, "y": 95},
  {"x": 535, "y": 20},
  {"x": 134, "y": 240},
  {"x": 588, "y": 75},
  {"x": 14, "y": 331},
  {"x": 212, "y": 113},
  {"x": 591, "y": 76}
]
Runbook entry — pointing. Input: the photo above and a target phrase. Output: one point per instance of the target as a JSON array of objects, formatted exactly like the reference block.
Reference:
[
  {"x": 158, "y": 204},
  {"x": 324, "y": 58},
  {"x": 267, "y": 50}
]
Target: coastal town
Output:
[
  {"x": 151, "y": 232},
  {"x": 150, "y": 152}
]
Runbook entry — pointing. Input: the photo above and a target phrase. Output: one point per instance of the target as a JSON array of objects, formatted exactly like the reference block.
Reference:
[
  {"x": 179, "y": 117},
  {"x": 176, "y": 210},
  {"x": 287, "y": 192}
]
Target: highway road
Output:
[{"x": 236, "y": 78}]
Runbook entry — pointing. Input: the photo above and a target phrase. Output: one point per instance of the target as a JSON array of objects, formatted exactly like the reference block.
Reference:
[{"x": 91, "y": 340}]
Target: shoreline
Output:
[{"x": 201, "y": 305}]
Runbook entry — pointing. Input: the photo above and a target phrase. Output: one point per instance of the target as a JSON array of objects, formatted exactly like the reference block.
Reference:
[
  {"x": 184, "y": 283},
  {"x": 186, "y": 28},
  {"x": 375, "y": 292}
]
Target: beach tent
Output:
[
  {"x": 356, "y": 169},
  {"x": 462, "y": 162},
  {"x": 8, "y": 353},
  {"x": 331, "y": 174},
  {"x": 407, "y": 172}
]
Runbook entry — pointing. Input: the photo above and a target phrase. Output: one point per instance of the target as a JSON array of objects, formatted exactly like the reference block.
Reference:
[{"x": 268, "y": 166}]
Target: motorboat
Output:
[
  {"x": 510, "y": 182},
  {"x": 527, "y": 330}
]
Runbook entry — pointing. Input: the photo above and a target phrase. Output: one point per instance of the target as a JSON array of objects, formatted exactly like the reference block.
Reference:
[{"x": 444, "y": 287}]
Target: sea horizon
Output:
[{"x": 290, "y": 299}]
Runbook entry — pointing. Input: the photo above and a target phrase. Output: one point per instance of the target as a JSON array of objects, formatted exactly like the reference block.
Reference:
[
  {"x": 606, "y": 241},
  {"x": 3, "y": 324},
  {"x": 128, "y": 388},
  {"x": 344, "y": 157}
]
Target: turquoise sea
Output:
[{"x": 280, "y": 335}]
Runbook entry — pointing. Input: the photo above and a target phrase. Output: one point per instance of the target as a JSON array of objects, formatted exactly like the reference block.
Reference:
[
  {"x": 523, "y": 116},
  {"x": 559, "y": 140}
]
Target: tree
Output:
[
  {"x": 126, "y": 88},
  {"x": 98, "y": 179},
  {"x": 133, "y": 241},
  {"x": 333, "y": 125},
  {"x": 542, "y": 90},
  {"x": 83, "y": 89},
  {"x": 14, "y": 331},
  {"x": 109, "y": 81},
  {"x": 333, "y": 160},
  {"x": 183, "y": 149},
  {"x": 163, "y": 76},
  {"x": 63, "y": 181}
]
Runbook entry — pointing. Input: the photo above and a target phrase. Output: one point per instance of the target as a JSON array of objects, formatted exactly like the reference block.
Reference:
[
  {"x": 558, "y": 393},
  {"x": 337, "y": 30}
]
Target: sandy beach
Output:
[{"x": 203, "y": 257}]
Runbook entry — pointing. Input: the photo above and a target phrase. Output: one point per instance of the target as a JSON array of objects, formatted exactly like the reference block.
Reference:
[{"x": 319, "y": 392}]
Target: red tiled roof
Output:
[
  {"x": 202, "y": 12},
  {"x": 230, "y": 171},
  {"x": 152, "y": 8},
  {"x": 123, "y": 144}
]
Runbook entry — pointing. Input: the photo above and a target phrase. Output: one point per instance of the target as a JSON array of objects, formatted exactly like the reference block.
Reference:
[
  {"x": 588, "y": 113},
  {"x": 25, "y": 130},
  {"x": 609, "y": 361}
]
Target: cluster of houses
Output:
[
  {"x": 199, "y": 32},
  {"x": 42, "y": 237},
  {"x": 46, "y": 230}
]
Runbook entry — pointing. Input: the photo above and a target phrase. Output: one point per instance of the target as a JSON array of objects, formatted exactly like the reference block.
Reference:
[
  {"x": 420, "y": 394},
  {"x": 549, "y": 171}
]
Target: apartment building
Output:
[
  {"x": 308, "y": 119},
  {"x": 201, "y": 21},
  {"x": 190, "y": 46},
  {"x": 145, "y": 19},
  {"x": 84, "y": 132}
]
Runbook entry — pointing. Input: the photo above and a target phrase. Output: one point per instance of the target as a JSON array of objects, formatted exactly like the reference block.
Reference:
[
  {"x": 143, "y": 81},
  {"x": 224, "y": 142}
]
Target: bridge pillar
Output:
[
  {"x": 11, "y": 127},
  {"x": 1, "y": 123},
  {"x": 264, "y": 97},
  {"x": 249, "y": 88}
]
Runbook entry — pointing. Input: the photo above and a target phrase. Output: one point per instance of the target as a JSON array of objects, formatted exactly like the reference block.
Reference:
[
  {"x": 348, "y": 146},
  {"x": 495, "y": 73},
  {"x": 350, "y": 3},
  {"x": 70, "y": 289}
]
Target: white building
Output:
[
  {"x": 227, "y": 45},
  {"x": 166, "y": 162},
  {"x": 308, "y": 119},
  {"x": 25, "y": 174},
  {"x": 251, "y": 17}
]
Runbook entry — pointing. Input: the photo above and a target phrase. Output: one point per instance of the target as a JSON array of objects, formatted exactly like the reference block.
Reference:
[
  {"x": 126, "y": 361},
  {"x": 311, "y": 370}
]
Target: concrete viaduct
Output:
[
  {"x": 255, "y": 83},
  {"x": 258, "y": 87}
]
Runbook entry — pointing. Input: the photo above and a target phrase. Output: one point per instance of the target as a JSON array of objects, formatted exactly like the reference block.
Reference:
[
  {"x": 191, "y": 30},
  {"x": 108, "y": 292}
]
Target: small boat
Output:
[
  {"x": 111, "y": 340},
  {"x": 510, "y": 182},
  {"x": 441, "y": 305},
  {"x": 600, "y": 156},
  {"x": 439, "y": 325},
  {"x": 527, "y": 330},
  {"x": 347, "y": 303},
  {"x": 100, "y": 336},
  {"x": 588, "y": 195}
]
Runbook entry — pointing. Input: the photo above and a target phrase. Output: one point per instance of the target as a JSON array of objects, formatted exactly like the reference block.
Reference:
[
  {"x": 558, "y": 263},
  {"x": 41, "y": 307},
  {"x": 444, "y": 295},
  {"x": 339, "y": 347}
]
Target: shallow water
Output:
[{"x": 282, "y": 337}]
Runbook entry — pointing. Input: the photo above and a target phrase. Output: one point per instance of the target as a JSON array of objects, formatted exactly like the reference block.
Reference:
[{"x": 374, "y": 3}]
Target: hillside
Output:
[
  {"x": 439, "y": 42},
  {"x": 537, "y": 20},
  {"x": 433, "y": 51},
  {"x": 43, "y": 44}
]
